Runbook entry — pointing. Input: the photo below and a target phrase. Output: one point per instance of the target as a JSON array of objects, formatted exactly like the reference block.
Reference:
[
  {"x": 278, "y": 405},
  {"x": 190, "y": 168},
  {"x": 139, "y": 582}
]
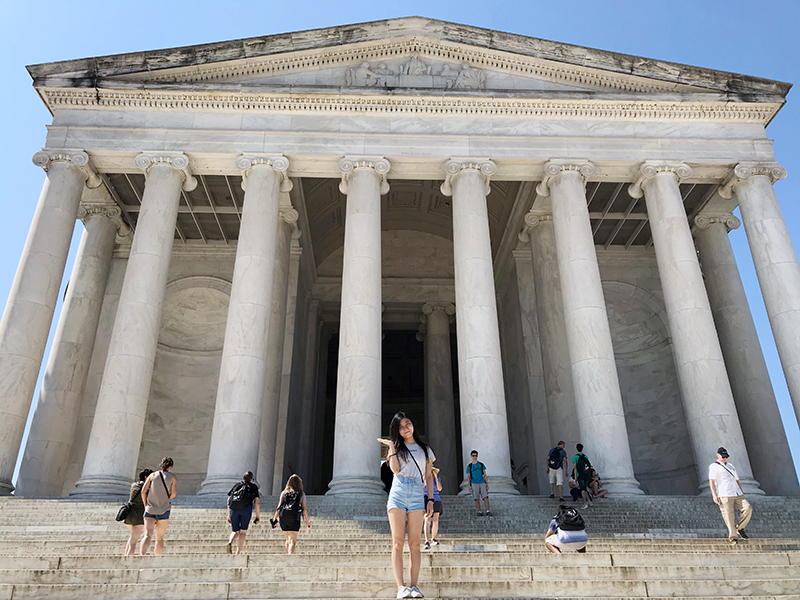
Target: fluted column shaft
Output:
[
  {"x": 561, "y": 412},
  {"x": 304, "y": 442},
  {"x": 776, "y": 263},
  {"x": 356, "y": 464},
  {"x": 45, "y": 461},
  {"x": 236, "y": 432},
  {"x": 33, "y": 296},
  {"x": 484, "y": 424},
  {"x": 598, "y": 400},
  {"x": 272, "y": 384},
  {"x": 439, "y": 402},
  {"x": 747, "y": 370},
  {"x": 708, "y": 401},
  {"x": 113, "y": 448}
]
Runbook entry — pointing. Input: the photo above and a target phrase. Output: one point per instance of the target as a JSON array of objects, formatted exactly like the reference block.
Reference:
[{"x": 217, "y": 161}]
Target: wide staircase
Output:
[{"x": 646, "y": 547}]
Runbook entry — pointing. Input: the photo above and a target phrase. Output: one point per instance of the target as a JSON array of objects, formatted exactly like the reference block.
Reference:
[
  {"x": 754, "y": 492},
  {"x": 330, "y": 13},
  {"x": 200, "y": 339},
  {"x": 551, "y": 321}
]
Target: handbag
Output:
[{"x": 123, "y": 511}]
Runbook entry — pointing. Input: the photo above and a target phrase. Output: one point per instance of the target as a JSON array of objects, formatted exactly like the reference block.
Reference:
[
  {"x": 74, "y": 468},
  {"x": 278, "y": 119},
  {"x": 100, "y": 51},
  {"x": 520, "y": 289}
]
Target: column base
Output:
[
  {"x": 218, "y": 485},
  {"x": 6, "y": 487},
  {"x": 498, "y": 486},
  {"x": 623, "y": 487},
  {"x": 750, "y": 487},
  {"x": 102, "y": 486},
  {"x": 371, "y": 486}
]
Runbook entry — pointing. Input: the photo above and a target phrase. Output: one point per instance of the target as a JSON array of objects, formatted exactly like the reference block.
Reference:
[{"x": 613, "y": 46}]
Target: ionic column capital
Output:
[
  {"x": 348, "y": 165},
  {"x": 554, "y": 168},
  {"x": 177, "y": 160},
  {"x": 106, "y": 211},
  {"x": 532, "y": 219},
  {"x": 277, "y": 162},
  {"x": 77, "y": 158},
  {"x": 455, "y": 166},
  {"x": 430, "y": 307},
  {"x": 745, "y": 170},
  {"x": 649, "y": 169},
  {"x": 704, "y": 221}
]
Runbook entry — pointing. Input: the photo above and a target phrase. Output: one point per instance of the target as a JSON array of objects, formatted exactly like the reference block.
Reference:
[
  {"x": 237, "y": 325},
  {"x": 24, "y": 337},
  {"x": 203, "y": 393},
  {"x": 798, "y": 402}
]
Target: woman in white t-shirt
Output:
[{"x": 410, "y": 460}]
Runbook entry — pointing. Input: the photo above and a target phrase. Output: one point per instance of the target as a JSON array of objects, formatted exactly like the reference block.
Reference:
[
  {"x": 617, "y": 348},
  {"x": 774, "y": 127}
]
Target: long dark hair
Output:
[{"x": 398, "y": 441}]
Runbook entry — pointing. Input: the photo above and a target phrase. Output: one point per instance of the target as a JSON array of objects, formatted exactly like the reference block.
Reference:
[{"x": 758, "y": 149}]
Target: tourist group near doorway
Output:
[{"x": 410, "y": 506}]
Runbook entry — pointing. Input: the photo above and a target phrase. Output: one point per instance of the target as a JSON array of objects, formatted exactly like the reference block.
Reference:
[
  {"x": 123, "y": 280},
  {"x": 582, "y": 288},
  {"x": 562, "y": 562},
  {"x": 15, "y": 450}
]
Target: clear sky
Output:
[{"x": 754, "y": 38}]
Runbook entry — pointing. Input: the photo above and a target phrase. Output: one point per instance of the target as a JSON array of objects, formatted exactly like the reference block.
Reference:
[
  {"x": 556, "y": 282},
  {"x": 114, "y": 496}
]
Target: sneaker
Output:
[
  {"x": 552, "y": 495},
  {"x": 734, "y": 542},
  {"x": 415, "y": 593},
  {"x": 743, "y": 535},
  {"x": 404, "y": 592},
  {"x": 560, "y": 499},
  {"x": 434, "y": 542},
  {"x": 480, "y": 514},
  {"x": 427, "y": 545},
  {"x": 489, "y": 513},
  {"x": 585, "y": 506}
]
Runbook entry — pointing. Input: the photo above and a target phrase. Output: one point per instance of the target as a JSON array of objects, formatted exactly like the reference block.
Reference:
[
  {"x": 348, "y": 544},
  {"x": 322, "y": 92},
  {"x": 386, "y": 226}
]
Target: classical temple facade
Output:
[{"x": 289, "y": 238}]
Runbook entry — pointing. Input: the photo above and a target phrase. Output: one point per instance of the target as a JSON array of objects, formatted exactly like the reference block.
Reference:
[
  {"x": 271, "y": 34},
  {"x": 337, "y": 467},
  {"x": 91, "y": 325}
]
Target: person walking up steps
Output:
[
  {"x": 582, "y": 472},
  {"x": 727, "y": 494},
  {"x": 158, "y": 489},
  {"x": 410, "y": 459},
  {"x": 478, "y": 483},
  {"x": 134, "y": 520},
  {"x": 241, "y": 499},
  {"x": 556, "y": 468},
  {"x": 291, "y": 506}
]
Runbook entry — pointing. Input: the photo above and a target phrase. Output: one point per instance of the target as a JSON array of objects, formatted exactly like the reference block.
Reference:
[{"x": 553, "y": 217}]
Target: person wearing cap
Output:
[{"x": 727, "y": 493}]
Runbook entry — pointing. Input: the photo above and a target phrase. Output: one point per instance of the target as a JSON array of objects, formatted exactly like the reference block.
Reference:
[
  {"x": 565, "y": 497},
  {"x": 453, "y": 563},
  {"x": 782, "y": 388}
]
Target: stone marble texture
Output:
[
  {"x": 598, "y": 401},
  {"x": 44, "y": 464},
  {"x": 31, "y": 302},
  {"x": 236, "y": 433},
  {"x": 356, "y": 450},
  {"x": 119, "y": 418},
  {"x": 747, "y": 370},
  {"x": 484, "y": 425},
  {"x": 706, "y": 391},
  {"x": 778, "y": 272}
]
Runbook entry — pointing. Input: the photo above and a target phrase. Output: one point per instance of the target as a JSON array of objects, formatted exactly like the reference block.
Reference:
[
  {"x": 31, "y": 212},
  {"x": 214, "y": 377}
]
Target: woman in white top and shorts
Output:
[
  {"x": 410, "y": 460},
  {"x": 157, "y": 492}
]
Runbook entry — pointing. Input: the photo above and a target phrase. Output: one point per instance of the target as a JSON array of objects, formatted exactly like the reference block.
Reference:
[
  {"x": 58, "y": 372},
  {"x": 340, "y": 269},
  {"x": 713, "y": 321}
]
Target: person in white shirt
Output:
[{"x": 727, "y": 493}]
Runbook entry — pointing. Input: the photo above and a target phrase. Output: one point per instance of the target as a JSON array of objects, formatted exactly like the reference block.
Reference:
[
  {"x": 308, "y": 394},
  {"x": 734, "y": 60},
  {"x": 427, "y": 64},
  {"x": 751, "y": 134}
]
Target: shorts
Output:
[
  {"x": 479, "y": 491},
  {"x": 161, "y": 517},
  {"x": 583, "y": 483},
  {"x": 406, "y": 494},
  {"x": 240, "y": 519},
  {"x": 437, "y": 506},
  {"x": 289, "y": 524},
  {"x": 565, "y": 546},
  {"x": 557, "y": 476}
]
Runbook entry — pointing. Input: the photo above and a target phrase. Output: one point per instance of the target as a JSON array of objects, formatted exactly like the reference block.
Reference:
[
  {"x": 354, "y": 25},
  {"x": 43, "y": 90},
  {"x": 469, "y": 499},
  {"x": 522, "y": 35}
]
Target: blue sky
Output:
[{"x": 753, "y": 38}]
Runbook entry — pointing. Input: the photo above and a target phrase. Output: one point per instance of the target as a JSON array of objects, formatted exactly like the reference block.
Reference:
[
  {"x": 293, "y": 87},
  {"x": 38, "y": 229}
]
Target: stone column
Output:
[
  {"x": 440, "y": 413},
  {"x": 707, "y": 397},
  {"x": 285, "y": 380},
  {"x": 561, "y": 411},
  {"x": 761, "y": 422},
  {"x": 598, "y": 400},
  {"x": 356, "y": 452},
  {"x": 113, "y": 448},
  {"x": 236, "y": 432},
  {"x": 34, "y": 293},
  {"x": 47, "y": 452},
  {"x": 484, "y": 424},
  {"x": 776, "y": 262},
  {"x": 308, "y": 410}
]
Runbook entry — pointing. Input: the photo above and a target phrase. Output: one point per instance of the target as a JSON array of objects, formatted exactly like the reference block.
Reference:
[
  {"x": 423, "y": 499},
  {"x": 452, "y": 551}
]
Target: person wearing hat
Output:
[{"x": 727, "y": 493}]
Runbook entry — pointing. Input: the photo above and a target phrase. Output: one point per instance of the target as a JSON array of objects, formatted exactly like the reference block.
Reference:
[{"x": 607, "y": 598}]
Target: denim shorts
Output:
[
  {"x": 161, "y": 517},
  {"x": 240, "y": 519},
  {"x": 406, "y": 494}
]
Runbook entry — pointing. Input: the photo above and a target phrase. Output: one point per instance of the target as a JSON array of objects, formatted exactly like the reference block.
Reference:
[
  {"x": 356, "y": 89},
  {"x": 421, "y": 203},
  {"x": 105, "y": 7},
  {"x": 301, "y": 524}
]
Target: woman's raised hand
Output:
[{"x": 385, "y": 442}]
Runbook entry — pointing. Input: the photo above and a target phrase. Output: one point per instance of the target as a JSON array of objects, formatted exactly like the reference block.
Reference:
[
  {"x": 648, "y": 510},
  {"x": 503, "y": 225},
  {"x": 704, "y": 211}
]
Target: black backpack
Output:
[
  {"x": 554, "y": 460},
  {"x": 584, "y": 466},
  {"x": 569, "y": 519},
  {"x": 291, "y": 508},
  {"x": 239, "y": 496}
]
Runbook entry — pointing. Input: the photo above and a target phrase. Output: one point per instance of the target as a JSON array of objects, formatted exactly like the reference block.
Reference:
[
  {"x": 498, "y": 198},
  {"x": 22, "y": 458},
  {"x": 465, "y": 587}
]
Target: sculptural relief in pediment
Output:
[{"x": 416, "y": 72}]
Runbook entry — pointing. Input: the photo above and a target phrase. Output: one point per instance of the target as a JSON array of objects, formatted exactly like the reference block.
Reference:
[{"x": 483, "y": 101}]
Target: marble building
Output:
[{"x": 288, "y": 238}]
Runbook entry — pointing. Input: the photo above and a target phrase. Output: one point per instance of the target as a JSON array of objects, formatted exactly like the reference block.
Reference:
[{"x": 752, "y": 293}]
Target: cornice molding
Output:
[
  {"x": 650, "y": 169},
  {"x": 399, "y": 47},
  {"x": 77, "y": 158},
  {"x": 341, "y": 104}
]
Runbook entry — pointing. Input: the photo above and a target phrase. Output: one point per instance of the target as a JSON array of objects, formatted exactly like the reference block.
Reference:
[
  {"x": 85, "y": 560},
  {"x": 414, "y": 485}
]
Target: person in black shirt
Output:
[{"x": 241, "y": 499}]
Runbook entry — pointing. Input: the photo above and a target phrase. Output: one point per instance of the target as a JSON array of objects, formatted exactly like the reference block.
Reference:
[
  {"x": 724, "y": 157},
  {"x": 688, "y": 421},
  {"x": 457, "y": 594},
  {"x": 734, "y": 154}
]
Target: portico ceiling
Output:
[{"x": 211, "y": 213}]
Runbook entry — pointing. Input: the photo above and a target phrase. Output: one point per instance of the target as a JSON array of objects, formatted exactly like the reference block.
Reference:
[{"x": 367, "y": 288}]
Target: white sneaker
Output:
[
  {"x": 434, "y": 542},
  {"x": 585, "y": 506},
  {"x": 415, "y": 593},
  {"x": 404, "y": 592}
]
